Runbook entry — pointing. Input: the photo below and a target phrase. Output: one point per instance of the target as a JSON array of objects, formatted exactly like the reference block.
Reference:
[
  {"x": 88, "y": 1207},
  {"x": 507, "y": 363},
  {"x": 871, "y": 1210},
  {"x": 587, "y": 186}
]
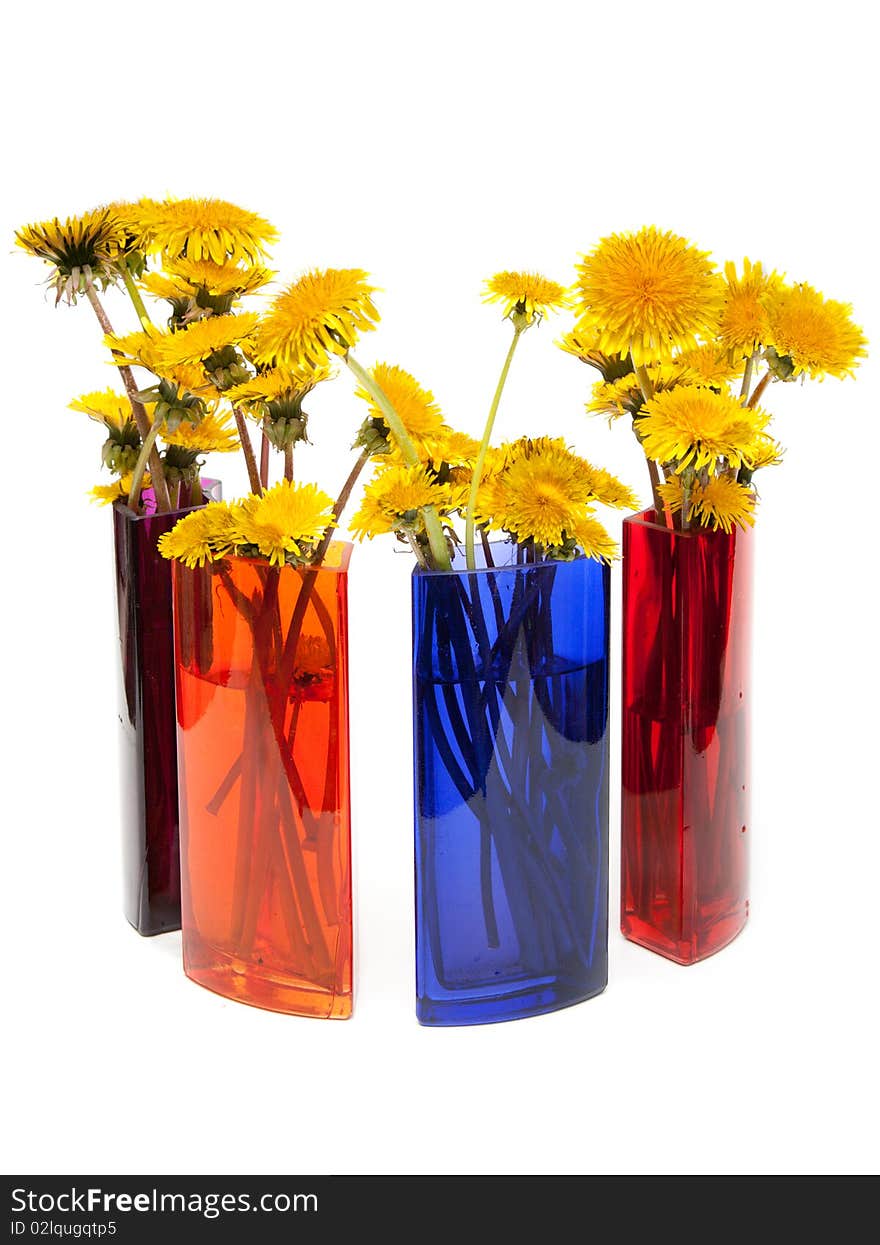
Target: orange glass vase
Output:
[{"x": 262, "y": 712}]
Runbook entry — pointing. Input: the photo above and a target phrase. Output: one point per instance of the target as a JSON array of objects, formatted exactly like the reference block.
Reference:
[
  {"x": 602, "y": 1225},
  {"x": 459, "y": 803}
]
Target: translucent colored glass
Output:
[
  {"x": 148, "y": 741},
  {"x": 511, "y": 789},
  {"x": 685, "y": 767},
  {"x": 262, "y": 704}
]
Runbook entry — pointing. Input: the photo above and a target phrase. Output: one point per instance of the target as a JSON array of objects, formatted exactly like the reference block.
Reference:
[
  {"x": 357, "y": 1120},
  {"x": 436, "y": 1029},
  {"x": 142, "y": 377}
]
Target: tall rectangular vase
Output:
[
  {"x": 262, "y": 705},
  {"x": 511, "y": 788},
  {"x": 147, "y": 724},
  {"x": 685, "y": 768}
]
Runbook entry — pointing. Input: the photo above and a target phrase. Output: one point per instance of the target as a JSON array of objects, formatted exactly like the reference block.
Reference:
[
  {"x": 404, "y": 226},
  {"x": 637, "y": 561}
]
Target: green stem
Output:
[
  {"x": 484, "y": 450},
  {"x": 196, "y": 496},
  {"x": 436, "y": 539},
  {"x": 141, "y": 418},
  {"x": 135, "y": 295},
  {"x": 747, "y": 378},
  {"x": 288, "y": 462},
  {"x": 141, "y": 465}
]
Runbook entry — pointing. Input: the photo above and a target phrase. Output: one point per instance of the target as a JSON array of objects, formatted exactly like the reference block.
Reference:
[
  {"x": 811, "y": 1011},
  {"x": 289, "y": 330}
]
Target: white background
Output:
[{"x": 434, "y": 145}]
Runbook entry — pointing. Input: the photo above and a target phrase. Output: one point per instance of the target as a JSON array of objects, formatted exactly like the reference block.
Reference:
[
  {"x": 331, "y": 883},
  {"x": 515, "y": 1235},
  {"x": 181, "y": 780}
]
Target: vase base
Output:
[
  {"x": 683, "y": 951},
  {"x": 245, "y": 982},
  {"x": 155, "y": 921},
  {"x": 514, "y": 1005}
]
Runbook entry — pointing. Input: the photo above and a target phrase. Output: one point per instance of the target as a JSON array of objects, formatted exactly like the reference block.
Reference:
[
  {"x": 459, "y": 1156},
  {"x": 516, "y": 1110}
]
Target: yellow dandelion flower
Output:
[
  {"x": 694, "y": 426},
  {"x": 744, "y": 325},
  {"x": 285, "y": 521},
  {"x": 205, "y": 229},
  {"x": 213, "y": 434},
  {"x": 161, "y": 285},
  {"x": 277, "y": 385},
  {"x": 525, "y": 294},
  {"x": 540, "y": 496},
  {"x": 394, "y": 498},
  {"x": 447, "y": 445},
  {"x": 766, "y": 452},
  {"x": 105, "y": 494},
  {"x": 105, "y": 406},
  {"x": 706, "y": 365},
  {"x": 671, "y": 494},
  {"x": 320, "y": 315},
  {"x": 79, "y": 250},
  {"x": 817, "y": 334},
  {"x": 606, "y": 489},
  {"x": 203, "y": 536},
  {"x": 616, "y": 397},
  {"x": 203, "y": 338},
  {"x": 722, "y": 503},
  {"x": 218, "y": 280},
  {"x": 648, "y": 293},
  {"x": 417, "y": 408},
  {"x": 146, "y": 349},
  {"x": 584, "y": 345},
  {"x": 592, "y": 538}
]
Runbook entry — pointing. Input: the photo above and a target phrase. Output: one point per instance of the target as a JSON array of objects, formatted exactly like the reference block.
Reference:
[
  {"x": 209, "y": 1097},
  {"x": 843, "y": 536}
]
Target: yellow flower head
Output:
[
  {"x": 320, "y": 315},
  {"x": 285, "y": 521},
  {"x": 218, "y": 280},
  {"x": 817, "y": 334},
  {"x": 722, "y": 503},
  {"x": 447, "y": 445},
  {"x": 204, "y": 338},
  {"x": 693, "y": 426},
  {"x": 276, "y": 385},
  {"x": 525, "y": 294},
  {"x": 417, "y": 408},
  {"x": 105, "y": 494},
  {"x": 584, "y": 345},
  {"x": 203, "y": 536},
  {"x": 106, "y": 407},
  {"x": 213, "y": 434},
  {"x": 540, "y": 494},
  {"x": 766, "y": 452},
  {"x": 743, "y": 325},
  {"x": 79, "y": 250},
  {"x": 591, "y": 537},
  {"x": 606, "y": 489},
  {"x": 205, "y": 229},
  {"x": 394, "y": 498},
  {"x": 145, "y": 349},
  {"x": 707, "y": 365},
  {"x": 649, "y": 293}
]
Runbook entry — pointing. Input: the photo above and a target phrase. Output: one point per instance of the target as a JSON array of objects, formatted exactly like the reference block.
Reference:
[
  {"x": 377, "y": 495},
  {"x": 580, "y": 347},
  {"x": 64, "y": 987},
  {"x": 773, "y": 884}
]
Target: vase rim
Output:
[
  {"x": 640, "y": 519},
  {"x": 430, "y": 572},
  {"x": 124, "y": 511}
]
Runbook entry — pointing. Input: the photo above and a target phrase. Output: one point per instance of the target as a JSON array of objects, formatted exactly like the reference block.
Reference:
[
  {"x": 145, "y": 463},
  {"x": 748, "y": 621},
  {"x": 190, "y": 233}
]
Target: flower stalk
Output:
[
  {"x": 518, "y": 329},
  {"x": 141, "y": 418}
]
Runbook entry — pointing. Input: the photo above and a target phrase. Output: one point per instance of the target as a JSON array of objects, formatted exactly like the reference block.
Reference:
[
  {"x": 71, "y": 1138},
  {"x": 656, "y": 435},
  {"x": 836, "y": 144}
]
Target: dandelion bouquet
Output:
[{"x": 679, "y": 347}]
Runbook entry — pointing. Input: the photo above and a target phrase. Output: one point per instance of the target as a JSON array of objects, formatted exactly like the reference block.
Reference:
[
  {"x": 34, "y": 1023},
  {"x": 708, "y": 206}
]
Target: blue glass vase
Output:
[{"x": 511, "y": 787}]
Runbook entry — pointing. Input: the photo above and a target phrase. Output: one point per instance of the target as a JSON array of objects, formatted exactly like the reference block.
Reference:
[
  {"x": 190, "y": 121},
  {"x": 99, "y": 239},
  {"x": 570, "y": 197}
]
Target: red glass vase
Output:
[
  {"x": 148, "y": 729},
  {"x": 262, "y": 713},
  {"x": 685, "y": 765}
]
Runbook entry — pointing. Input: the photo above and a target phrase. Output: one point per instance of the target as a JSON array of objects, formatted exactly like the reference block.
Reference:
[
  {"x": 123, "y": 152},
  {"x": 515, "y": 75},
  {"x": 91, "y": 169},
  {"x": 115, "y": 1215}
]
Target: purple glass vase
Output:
[{"x": 148, "y": 727}]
